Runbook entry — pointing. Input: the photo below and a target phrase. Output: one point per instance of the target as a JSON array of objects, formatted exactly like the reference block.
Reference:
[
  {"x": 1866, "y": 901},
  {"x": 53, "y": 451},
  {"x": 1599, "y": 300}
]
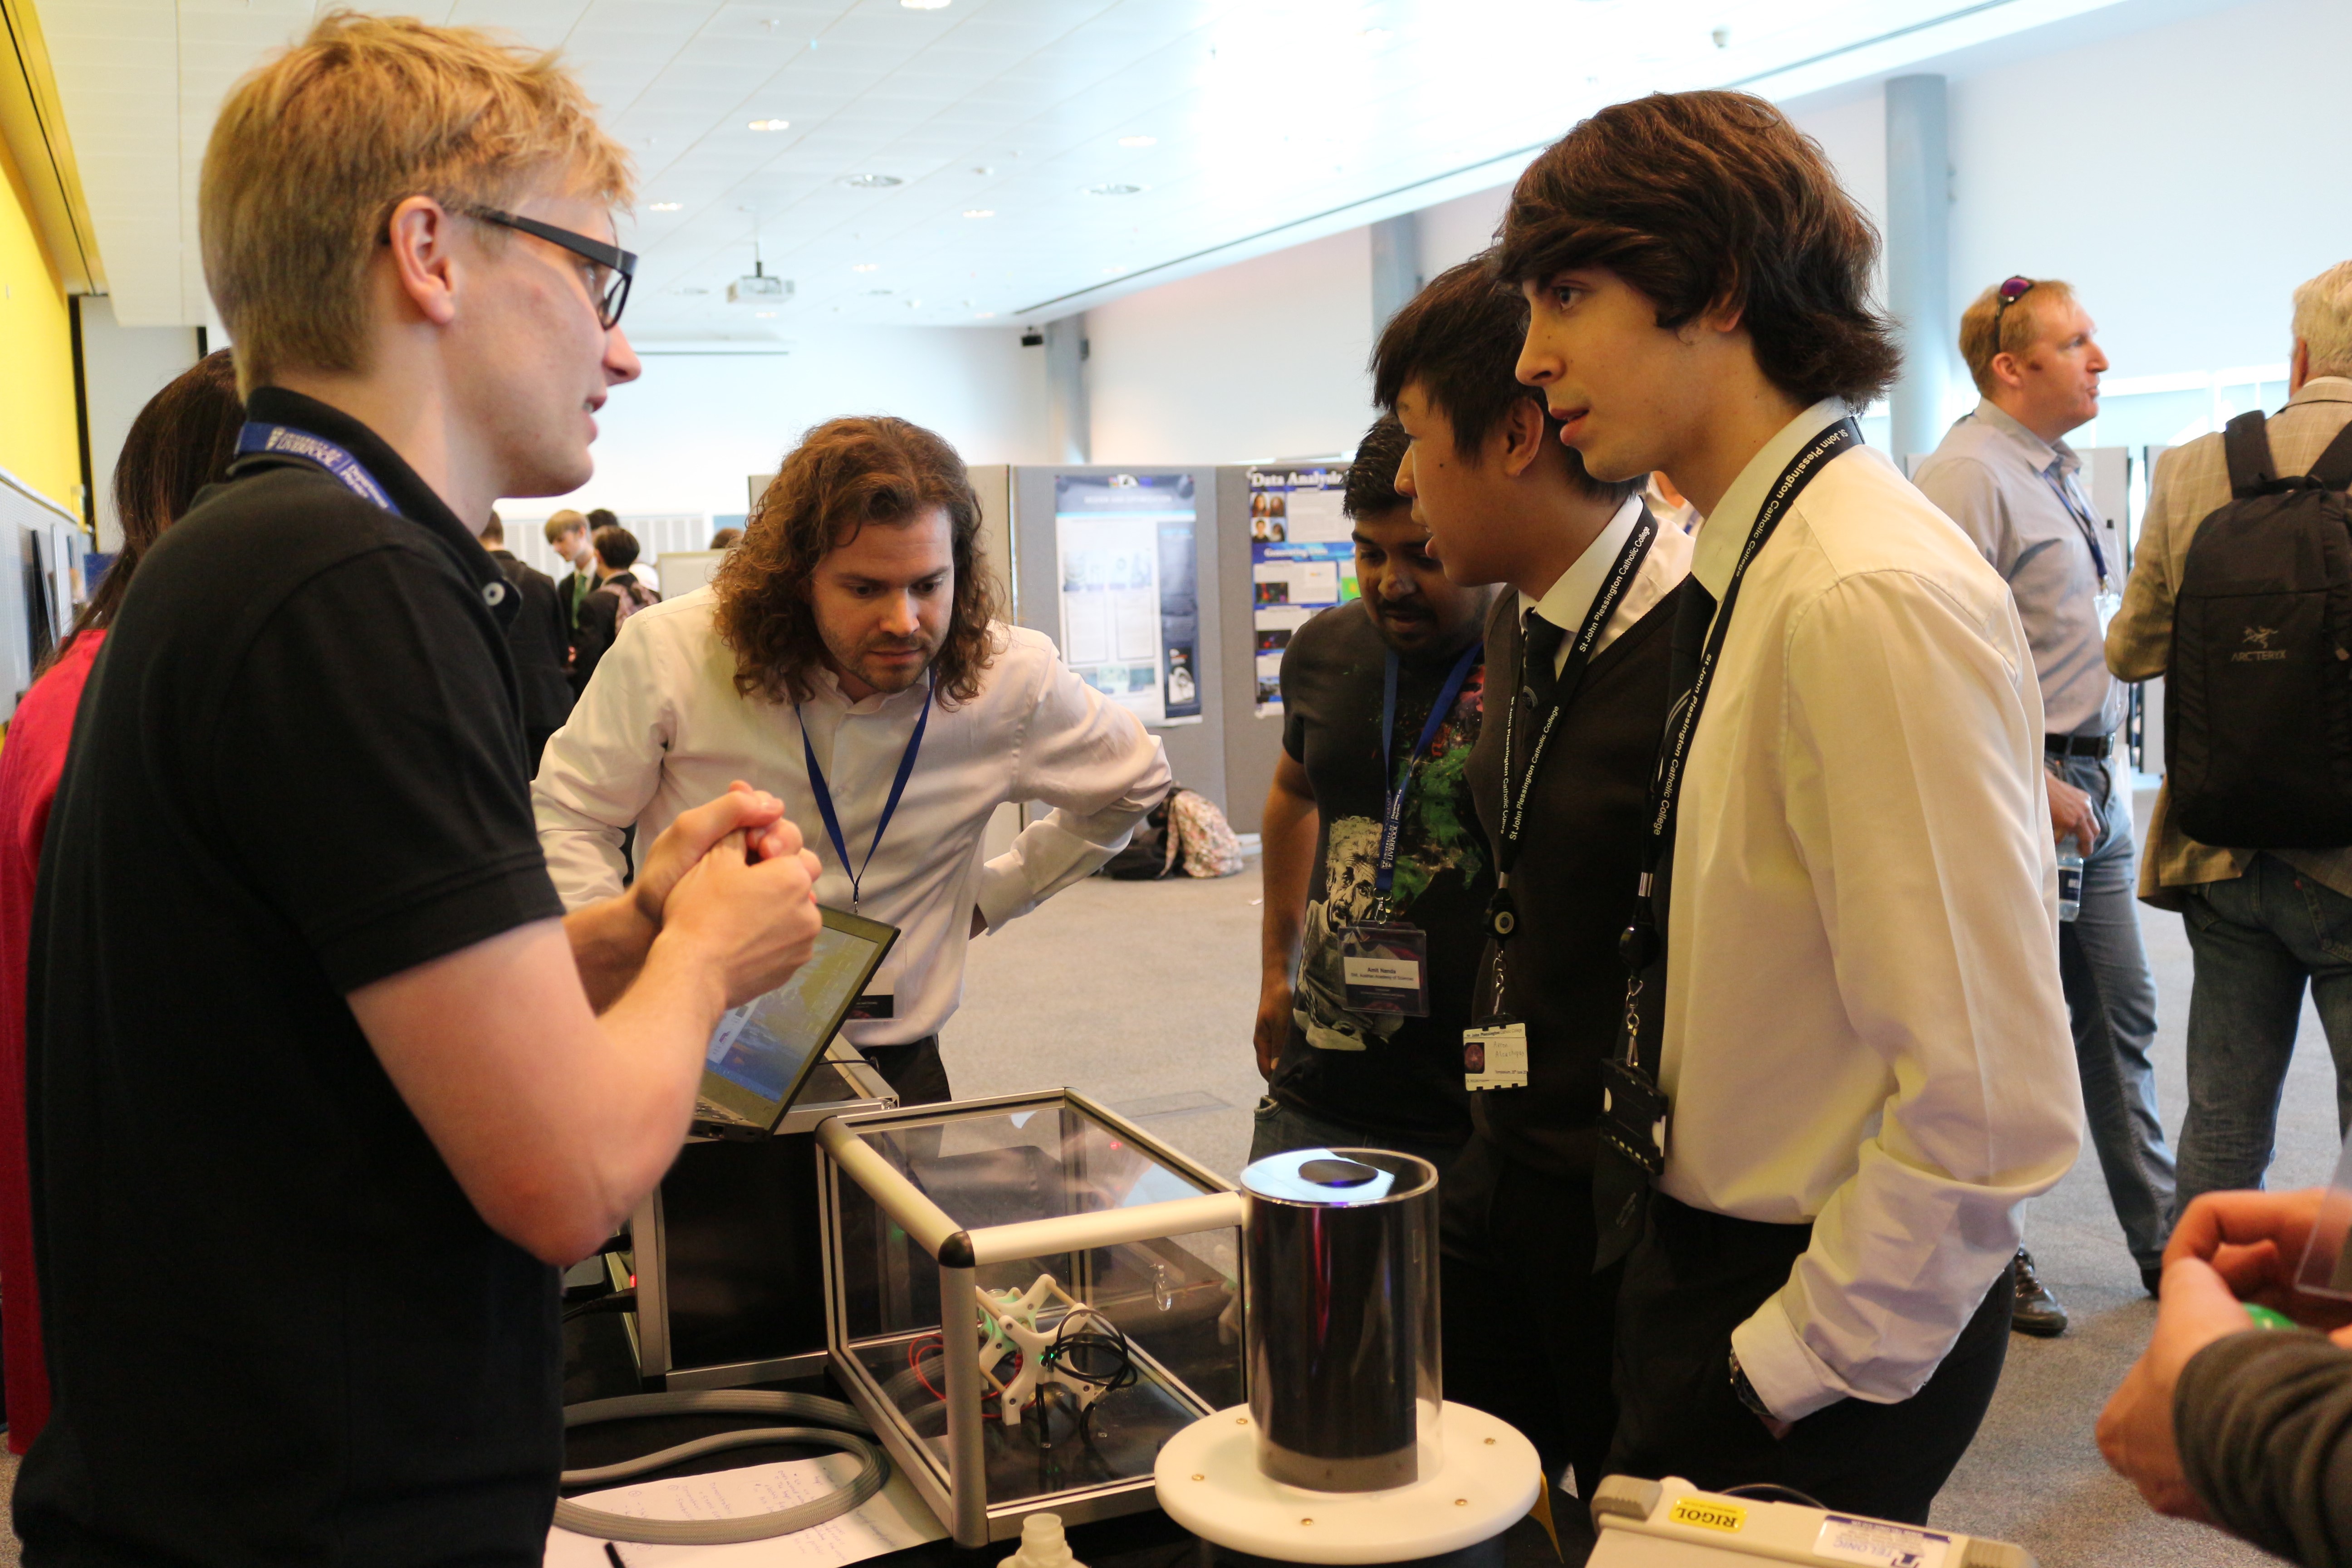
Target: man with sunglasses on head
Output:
[
  {"x": 304, "y": 1007},
  {"x": 2005, "y": 474}
]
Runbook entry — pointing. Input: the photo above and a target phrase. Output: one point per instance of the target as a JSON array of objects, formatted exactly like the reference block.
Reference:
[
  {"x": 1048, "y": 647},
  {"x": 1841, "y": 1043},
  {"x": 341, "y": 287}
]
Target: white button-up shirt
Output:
[
  {"x": 661, "y": 729},
  {"x": 1863, "y": 1023},
  {"x": 1570, "y": 598}
]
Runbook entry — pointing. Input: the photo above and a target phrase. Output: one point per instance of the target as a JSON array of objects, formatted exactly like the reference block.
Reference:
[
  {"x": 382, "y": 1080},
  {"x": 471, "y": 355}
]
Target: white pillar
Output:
[
  {"x": 1068, "y": 426},
  {"x": 1919, "y": 259}
]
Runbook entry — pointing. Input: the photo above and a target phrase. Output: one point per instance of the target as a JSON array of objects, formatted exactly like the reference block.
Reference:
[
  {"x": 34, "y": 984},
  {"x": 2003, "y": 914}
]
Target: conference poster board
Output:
[
  {"x": 1302, "y": 561},
  {"x": 1127, "y": 558}
]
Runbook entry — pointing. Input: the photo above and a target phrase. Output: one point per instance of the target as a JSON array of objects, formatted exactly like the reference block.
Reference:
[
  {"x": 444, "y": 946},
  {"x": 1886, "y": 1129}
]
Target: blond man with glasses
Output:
[{"x": 305, "y": 1005}]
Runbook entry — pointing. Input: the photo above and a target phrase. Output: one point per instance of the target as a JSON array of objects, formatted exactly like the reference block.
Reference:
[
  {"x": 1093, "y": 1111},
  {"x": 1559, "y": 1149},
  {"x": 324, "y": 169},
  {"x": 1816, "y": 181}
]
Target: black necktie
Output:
[
  {"x": 1540, "y": 658},
  {"x": 1692, "y": 618}
]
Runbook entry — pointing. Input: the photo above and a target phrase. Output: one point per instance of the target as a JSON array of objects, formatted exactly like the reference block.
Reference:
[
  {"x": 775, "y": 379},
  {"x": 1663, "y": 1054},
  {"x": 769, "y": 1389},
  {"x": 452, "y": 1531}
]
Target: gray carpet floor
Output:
[{"x": 1142, "y": 995}]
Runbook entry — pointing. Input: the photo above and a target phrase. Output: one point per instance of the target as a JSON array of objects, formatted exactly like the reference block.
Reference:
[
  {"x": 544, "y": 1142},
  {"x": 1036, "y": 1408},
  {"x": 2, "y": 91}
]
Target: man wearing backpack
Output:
[
  {"x": 2267, "y": 917},
  {"x": 2005, "y": 474},
  {"x": 617, "y": 593}
]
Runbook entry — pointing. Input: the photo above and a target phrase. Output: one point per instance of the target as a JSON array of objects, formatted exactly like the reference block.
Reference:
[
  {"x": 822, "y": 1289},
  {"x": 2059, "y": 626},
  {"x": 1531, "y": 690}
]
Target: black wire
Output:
[
  {"x": 618, "y": 1301},
  {"x": 1068, "y": 1354},
  {"x": 1772, "y": 1491}
]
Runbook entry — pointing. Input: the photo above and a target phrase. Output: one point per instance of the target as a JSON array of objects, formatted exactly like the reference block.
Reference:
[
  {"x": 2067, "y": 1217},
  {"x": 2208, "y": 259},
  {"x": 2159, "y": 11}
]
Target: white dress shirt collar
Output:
[
  {"x": 1724, "y": 532},
  {"x": 1570, "y": 598},
  {"x": 826, "y": 682}
]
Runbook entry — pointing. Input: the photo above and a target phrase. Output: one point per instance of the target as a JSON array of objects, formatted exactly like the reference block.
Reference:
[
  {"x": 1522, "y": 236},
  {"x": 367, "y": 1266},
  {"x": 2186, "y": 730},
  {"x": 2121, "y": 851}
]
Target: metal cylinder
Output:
[{"x": 1345, "y": 1380}]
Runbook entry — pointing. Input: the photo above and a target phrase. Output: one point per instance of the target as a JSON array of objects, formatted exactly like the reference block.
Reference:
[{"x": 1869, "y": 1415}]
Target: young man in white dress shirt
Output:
[
  {"x": 1854, "y": 1059},
  {"x": 853, "y": 627}
]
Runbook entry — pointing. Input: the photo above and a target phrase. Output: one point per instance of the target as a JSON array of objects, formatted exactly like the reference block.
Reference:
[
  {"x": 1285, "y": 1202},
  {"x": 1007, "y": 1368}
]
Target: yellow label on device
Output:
[{"x": 1708, "y": 1514}]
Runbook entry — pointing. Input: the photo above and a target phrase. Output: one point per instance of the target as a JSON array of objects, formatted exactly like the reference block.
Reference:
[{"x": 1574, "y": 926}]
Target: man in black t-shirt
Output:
[
  {"x": 322, "y": 1084},
  {"x": 1341, "y": 1075},
  {"x": 540, "y": 637}
]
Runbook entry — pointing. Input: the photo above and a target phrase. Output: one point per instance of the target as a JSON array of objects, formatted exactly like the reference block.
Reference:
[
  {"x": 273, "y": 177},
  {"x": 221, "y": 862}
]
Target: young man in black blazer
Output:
[{"x": 1576, "y": 654}]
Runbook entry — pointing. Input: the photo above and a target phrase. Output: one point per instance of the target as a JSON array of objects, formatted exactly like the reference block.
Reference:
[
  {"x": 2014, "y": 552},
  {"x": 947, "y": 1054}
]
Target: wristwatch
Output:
[{"x": 1745, "y": 1391}]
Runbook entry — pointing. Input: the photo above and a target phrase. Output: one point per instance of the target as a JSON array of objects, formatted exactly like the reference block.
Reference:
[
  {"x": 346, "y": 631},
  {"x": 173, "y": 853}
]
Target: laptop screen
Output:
[{"x": 762, "y": 1051}]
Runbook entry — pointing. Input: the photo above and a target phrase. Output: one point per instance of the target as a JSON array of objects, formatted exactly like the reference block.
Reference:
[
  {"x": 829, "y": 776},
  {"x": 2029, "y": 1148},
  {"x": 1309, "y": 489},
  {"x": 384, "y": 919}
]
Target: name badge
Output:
[
  {"x": 1385, "y": 968},
  {"x": 1494, "y": 1054}
]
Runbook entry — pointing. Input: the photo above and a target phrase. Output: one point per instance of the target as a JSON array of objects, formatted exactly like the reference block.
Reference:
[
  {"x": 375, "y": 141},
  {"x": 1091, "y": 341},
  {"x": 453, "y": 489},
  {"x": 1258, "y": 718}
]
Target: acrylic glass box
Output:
[{"x": 1054, "y": 1209}]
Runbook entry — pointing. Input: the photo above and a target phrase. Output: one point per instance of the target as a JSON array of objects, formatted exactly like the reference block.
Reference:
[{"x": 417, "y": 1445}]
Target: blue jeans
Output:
[
  {"x": 2111, "y": 1001},
  {"x": 2258, "y": 940},
  {"x": 1279, "y": 1128}
]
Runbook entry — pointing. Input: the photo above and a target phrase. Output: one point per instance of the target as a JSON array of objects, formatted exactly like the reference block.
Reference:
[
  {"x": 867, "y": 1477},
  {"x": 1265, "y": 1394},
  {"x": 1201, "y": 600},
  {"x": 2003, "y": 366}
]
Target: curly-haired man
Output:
[{"x": 846, "y": 656}]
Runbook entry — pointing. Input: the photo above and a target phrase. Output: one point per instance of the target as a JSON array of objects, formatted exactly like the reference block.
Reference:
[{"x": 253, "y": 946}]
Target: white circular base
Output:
[{"x": 1209, "y": 1483}]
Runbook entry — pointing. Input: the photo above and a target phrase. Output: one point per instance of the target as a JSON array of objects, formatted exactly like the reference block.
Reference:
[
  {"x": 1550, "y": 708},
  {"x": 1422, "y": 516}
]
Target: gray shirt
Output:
[{"x": 2016, "y": 497}]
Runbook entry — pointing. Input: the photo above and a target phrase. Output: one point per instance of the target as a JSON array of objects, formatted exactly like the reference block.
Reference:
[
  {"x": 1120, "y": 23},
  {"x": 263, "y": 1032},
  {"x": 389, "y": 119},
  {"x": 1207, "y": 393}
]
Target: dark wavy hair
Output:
[
  {"x": 845, "y": 474},
  {"x": 1697, "y": 198},
  {"x": 182, "y": 440}
]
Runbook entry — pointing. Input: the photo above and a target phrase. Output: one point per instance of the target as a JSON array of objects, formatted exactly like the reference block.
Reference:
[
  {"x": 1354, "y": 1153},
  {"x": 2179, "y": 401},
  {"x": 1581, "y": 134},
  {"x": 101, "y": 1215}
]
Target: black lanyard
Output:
[
  {"x": 1502, "y": 914},
  {"x": 1639, "y": 947},
  {"x": 889, "y": 808}
]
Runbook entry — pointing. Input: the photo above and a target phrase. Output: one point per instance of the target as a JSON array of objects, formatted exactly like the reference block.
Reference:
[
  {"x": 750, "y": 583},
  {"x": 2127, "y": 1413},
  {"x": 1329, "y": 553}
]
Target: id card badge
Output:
[
  {"x": 1385, "y": 968},
  {"x": 1633, "y": 1115},
  {"x": 2106, "y": 605},
  {"x": 1494, "y": 1054}
]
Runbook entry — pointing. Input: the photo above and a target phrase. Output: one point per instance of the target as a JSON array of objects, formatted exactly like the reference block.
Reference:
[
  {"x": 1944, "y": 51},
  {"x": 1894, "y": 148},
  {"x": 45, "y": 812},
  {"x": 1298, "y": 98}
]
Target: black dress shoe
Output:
[
  {"x": 2151, "y": 1277},
  {"x": 2035, "y": 1310}
]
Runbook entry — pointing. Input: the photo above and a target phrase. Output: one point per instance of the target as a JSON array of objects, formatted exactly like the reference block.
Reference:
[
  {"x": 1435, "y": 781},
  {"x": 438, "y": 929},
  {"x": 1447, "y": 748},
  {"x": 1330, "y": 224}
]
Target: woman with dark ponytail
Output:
[{"x": 182, "y": 441}]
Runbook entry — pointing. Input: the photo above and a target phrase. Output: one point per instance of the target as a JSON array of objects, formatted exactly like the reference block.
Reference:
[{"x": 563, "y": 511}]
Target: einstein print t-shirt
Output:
[{"x": 1382, "y": 1072}]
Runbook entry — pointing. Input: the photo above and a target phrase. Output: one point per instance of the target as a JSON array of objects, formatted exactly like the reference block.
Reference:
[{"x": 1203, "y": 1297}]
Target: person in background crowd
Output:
[
  {"x": 2262, "y": 924},
  {"x": 725, "y": 538},
  {"x": 303, "y": 1004},
  {"x": 2221, "y": 1422},
  {"x": 181, "y": 442},
  {"x": 1851, "y": 1063},
  {"x": 1669, "y": 505},
  {"x": 601, "y": 519},
  {"x": 2005, "y": 474},
  {"x": 567, "y": 535},
  {"x": 847, "y": 646},
  {"x": 1529, "y": 1321},
  {"x": 619, "y": 594},
  {"x": 540, "y": 641},
  {"x": 1340, "y": 1075}
]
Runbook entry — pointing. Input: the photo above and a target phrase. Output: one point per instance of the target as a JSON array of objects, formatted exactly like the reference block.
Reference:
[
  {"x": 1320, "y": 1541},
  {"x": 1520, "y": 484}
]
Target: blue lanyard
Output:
[
  {"x": 890, "y": 807},
  {"x": 259, "y": 436},
  {"x": 1393, "y": 821},
  {"x": 2090, "y": 528}
]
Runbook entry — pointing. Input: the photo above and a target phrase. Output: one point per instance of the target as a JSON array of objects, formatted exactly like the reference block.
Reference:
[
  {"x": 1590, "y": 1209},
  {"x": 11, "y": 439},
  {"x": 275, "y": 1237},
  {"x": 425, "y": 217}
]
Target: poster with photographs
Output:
[
  {"x": 1130, "y": 609},
  {"x": 1301, "y": 561}
]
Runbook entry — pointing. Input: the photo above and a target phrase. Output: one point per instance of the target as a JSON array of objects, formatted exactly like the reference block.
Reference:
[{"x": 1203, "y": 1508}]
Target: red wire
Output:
[{"x": 914, "y": 1363}]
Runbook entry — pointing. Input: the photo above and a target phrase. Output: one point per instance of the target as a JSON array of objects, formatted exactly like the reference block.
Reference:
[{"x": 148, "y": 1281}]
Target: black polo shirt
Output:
[{"x": 279, "y": 1331}]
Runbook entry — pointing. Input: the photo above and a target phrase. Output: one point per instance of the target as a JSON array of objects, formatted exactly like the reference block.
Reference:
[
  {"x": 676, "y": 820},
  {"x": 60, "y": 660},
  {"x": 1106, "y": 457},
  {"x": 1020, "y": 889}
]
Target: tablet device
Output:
[{"x": 763, "y": 1053}]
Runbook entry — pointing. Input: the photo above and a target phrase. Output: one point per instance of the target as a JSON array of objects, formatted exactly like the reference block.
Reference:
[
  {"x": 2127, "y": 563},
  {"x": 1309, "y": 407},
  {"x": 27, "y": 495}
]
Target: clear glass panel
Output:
[{"x": 1165, "y": 1312}]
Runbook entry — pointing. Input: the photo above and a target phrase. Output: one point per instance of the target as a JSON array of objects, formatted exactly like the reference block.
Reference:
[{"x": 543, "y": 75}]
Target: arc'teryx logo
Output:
[{"x": 2257, "y": 649}]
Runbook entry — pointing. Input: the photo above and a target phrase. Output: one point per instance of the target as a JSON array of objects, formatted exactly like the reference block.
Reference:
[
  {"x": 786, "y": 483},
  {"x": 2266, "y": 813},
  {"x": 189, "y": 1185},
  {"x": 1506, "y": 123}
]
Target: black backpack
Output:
[
  {"x": 1152, "y": 854},
  {"x": 2258, "y": 700}
]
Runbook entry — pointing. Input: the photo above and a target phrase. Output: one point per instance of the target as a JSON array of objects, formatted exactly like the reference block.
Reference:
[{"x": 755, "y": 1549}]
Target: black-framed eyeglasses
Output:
[
  {"x": 2011, "y": 291},
  {"x": 609, "y": 288}
]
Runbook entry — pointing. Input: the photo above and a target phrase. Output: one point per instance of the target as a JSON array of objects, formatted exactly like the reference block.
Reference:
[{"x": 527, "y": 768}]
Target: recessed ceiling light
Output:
[
  {"x": 689, "y": 289},
  {"x": 1114, "y": 189},
  {"x": 980, "y": 212},
  {"x": 985, "y": 316},
  {"x": 867, "y": 266},
  {"x": 872, "y": 181},
  {"x": 926, "y": 5},
  {"x": 1375, "y": 35},
  {"x": 1113, "y": 271},
  {"x": 881, "y": 293},
  {"x": 667, "y": 206},
  {"x": 771, "y": 125},
  {"x": 1138, "y": 140},
  {"x": 764, "y": 315}
]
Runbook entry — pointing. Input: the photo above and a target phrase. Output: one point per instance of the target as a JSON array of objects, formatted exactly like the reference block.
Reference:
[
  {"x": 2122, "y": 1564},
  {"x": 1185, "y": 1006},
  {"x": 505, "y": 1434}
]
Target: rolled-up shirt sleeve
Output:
[
  {"x": 1094, "y": 762},
  {"x": 601, "y": 769},
  {"x": 1910, "y": 745}
]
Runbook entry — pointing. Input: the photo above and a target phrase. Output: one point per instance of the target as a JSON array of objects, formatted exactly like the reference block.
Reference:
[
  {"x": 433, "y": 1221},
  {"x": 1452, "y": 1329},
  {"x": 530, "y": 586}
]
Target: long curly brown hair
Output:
[{"x": 845, "y": 474}]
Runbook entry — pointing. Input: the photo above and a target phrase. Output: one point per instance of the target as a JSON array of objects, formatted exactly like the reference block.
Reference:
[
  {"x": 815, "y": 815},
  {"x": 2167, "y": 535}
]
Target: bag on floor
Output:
[
  {"x": 1150, "y": 855},
  {"x": 2258, "y": 699},
  {"x": 1207, "y": 839}
]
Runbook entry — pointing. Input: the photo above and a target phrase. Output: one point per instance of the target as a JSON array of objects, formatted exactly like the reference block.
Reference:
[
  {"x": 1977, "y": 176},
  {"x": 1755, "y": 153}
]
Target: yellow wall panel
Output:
[{"x": 38, "y": 442}]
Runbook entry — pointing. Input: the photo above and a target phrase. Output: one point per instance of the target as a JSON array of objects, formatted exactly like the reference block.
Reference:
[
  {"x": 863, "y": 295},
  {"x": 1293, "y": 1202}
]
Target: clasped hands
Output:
[{"x": 2228, "y": 1250}]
